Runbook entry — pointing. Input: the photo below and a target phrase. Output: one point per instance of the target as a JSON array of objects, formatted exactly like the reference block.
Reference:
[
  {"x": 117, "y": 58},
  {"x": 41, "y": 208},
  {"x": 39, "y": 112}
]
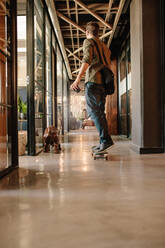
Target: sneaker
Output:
[
  {"x": 104, "y": 147},
  {"x": 95, "y": 148}
]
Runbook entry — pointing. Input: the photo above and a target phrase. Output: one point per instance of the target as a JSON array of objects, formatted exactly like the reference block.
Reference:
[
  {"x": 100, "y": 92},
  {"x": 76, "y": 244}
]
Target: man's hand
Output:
[
  {"x": 75, "y": 84},
  {"x": 83, "y": 69}
]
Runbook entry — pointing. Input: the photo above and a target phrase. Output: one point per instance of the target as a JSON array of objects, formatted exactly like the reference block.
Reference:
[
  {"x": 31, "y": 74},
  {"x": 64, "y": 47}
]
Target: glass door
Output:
[
  {"x": 59, "y": 91},
  {"x": 54, "y": 88},
  {"x": 65, "y": 100},
  {"x": 38, "y": 74},
  {"x": 49, "y": 87},
  {"x": 21, "y": 77},
  {"x": 7, "y": 85}
]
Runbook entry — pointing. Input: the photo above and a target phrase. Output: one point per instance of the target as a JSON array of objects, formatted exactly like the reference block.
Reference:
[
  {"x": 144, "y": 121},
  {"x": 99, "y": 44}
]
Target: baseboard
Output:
[
  {"x": 7, "y": 171},
  {"x": 146, "y": 150}
]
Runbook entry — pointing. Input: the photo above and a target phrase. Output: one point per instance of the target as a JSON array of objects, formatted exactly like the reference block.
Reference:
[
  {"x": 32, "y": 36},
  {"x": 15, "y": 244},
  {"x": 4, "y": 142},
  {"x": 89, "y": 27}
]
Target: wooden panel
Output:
[
  {"x": 111, "y": 105},
  {"x": 2, "y": 79}
]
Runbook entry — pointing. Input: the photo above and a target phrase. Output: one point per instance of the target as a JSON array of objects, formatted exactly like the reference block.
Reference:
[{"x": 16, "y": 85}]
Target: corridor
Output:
[{"x": 68, "y": 200}]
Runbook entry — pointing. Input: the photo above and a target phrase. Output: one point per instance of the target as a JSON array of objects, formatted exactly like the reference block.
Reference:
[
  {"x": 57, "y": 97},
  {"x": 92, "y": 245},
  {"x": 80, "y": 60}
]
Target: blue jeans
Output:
[{"x": 95, "y": 100}]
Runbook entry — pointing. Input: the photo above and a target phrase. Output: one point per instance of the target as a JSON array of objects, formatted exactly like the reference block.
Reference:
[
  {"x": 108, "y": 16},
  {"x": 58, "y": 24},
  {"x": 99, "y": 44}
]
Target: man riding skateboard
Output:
[{"x": 94, "y": 89}]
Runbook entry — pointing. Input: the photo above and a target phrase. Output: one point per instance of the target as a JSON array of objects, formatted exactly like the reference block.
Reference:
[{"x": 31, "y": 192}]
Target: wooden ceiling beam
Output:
[
  {"x": 55, "y": 21},
  {"x": 73, "y": 54},
  {"x": 2, "y": 4},
  {"x": 117, "y": 17},
  {"x": 66, "y": 35},
  {"x": 96, "y": 6},
  {"x": 70, "y": 21},
  {"x": 83, "y": 12},
  {"x": 73, "y": 72},
  {"x": 82, "y": 5},
  {"x": 78, "y": 36},
  {"x": 101, "y": 7},
  {"x": 108, "y": 14},
  {"x": 71, "y": 33}
]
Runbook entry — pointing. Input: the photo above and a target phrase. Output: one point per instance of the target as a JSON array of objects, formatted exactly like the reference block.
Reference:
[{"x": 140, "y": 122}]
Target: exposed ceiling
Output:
[{"x": 73, "y": 15}]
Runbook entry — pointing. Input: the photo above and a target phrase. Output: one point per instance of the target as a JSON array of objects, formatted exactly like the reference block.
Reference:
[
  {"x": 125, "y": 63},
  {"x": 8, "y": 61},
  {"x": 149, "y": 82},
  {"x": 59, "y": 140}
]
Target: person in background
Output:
[{"x": 94, "y": 89}]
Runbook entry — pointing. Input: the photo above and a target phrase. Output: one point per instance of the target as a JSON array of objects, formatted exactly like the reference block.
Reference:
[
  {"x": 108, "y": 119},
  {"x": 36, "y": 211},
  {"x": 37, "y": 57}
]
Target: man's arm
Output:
[{"x": 83, "y": 69}]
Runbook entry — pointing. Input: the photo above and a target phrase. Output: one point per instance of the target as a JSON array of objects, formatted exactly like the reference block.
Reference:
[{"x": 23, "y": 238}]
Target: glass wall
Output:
[
  {"x": 7, "y": 122},
  {"x": 49, "y": 91},
  {"x": 21, "y": 77},
  {"x": 59, "y": 91},
  {"x": 22, "y": 87},
  {"x": 42, "y": 84},
  {"x": 77, "y": 115},
  {"x": 47, "y": 79},
  {"x": 125, "y": 116},
  {"x": 5, "y": 84},
  {"x": 54, "y": 84},
  {"x": 65, "y": 100},
  {"x": 38, "y": 74}
]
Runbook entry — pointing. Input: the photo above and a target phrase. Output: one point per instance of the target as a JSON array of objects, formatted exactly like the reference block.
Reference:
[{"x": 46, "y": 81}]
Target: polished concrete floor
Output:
[{"x": 68, "y": 200}]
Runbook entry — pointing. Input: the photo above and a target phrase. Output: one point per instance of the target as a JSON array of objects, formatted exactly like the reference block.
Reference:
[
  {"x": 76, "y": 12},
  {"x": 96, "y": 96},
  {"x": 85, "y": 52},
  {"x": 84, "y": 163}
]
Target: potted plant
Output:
[{"x": 22, "y": 108}]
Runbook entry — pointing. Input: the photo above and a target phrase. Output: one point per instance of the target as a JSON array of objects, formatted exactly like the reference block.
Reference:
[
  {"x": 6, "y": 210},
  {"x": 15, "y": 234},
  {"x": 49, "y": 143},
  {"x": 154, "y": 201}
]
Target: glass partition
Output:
[
  {"x": 49, "y": 92},
  {"x": 59, "y": 90},
  {"x": 38, "y": 74},
  {"x": 42, "y": 81},
  {"x": 5, "y": 86},
  {"x": 21, "y": 77},
  {"x": 65, "y": 99},
  {"x": 54, "y": 85}
]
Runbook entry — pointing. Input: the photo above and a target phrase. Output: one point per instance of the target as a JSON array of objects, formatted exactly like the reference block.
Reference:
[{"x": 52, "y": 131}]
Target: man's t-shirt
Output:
[{"x": 91, "y": 56}]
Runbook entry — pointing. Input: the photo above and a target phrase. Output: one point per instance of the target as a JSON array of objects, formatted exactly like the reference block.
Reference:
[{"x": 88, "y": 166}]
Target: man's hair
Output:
[{"x": 93, "y": 28}]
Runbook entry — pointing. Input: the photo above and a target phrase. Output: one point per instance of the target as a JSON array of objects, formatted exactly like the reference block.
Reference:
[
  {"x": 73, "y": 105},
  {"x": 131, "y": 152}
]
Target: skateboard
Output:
[
  {"x": 103, "y": 155},
  {"x": 100, "y": 155}
]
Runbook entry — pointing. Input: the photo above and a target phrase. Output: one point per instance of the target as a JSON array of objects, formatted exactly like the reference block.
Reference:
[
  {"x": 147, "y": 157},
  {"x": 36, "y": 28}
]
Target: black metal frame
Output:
[
  {"x": 14, "y": 86},
  {"x": 44, "y": 70},
  {"x": 13, "y": 94},
  {"x": 51, "y": 47},
  {"x": 162, "y": 55},
  {"x": 55, "y": 87},
  {"x": 62, "y": 98},
  {"x": 30, "y": 78}
]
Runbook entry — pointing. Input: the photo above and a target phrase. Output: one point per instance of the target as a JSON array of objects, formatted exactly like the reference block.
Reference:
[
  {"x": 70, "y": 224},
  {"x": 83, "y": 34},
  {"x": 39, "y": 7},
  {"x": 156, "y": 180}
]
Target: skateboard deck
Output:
[
  {"x": 100, "y": 155},
  {"x": 103, "y": 155}
]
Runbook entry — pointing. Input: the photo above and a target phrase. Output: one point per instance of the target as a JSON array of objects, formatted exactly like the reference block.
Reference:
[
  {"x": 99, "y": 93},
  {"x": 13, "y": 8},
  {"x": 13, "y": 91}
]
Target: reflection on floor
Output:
[{"x": 68, "y": 200}]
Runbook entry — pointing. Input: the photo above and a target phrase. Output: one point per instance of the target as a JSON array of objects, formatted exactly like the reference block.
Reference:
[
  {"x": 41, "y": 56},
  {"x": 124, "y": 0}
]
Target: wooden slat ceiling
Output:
[{"x": 73, "y": 15}]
